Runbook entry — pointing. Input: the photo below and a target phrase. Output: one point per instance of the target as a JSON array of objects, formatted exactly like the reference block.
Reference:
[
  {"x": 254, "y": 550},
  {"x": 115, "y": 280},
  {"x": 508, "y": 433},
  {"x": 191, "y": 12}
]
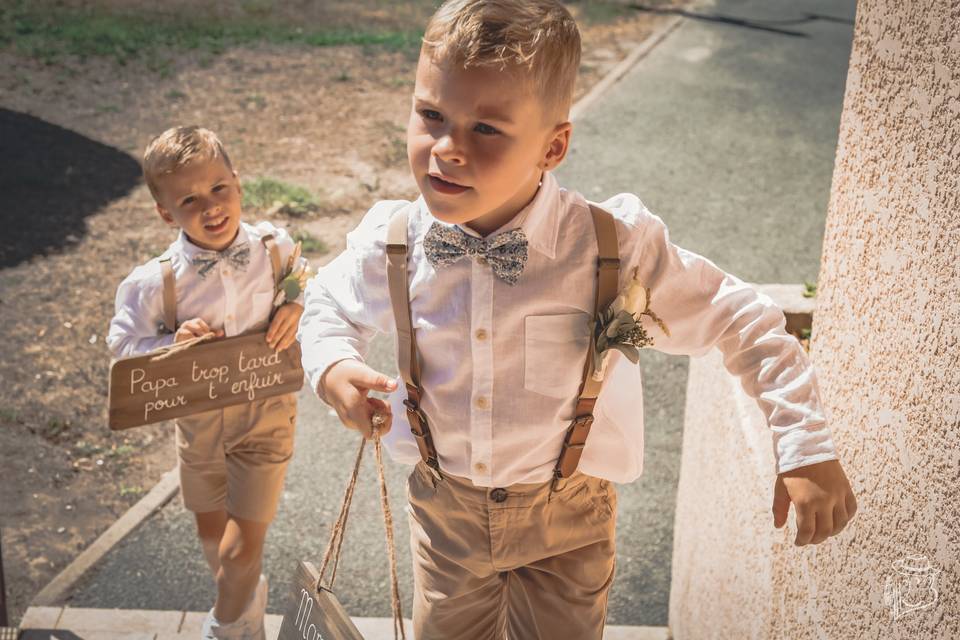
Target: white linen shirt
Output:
[
  {"x": 502, "y": 364},
  {"x": 235, "y": 300}
]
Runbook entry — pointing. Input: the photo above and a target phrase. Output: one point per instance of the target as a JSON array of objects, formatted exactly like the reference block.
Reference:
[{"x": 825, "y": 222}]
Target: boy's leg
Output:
[
  {"x": 240, "y": 557},
  {"x": 210, "y": 528},
  {"x": 565, "y": 595},
  {"x": 258, "y": 445},
  {"x": 457, "y": 591}
]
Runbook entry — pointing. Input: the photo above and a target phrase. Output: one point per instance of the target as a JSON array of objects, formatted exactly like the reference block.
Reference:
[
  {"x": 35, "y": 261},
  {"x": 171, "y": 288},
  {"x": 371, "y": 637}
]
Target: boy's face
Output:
[
  {"x": 203, "y": 199},
  {"x": 478, "y": 142}
]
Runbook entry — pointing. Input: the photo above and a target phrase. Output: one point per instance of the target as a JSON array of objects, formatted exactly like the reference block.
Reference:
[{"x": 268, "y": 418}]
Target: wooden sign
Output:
[
  {"x": 210, "y": 375},
  {"x": 314, "y": 614}
]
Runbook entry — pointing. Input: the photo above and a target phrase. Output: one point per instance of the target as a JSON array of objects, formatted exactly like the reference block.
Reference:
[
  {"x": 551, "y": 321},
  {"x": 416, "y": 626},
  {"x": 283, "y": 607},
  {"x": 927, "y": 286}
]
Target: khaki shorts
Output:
[
  {"x": 514, "y": 562},
  {"x": 235, "y": 458}
]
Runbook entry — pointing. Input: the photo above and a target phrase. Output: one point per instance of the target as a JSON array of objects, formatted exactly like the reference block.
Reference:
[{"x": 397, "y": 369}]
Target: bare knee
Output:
[{"x": 240, "y": 558}]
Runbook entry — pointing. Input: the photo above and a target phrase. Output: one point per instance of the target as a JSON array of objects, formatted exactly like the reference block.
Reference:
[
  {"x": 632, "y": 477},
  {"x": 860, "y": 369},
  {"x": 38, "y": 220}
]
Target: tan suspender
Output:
[
  {"x": 170, "y": 282},
  {"x": 274, "y": 251},
  {"x": 409, "y": 364},
  {"x": 608, "y": 275},
  {"x": 169, "y": 296}
]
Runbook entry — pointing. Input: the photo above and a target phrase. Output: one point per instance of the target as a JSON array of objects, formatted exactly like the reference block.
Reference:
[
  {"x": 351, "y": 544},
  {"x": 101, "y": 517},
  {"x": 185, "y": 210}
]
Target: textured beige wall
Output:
[
  {"x": 886, "y": 345},
  {"x": 886, "y": 337}
]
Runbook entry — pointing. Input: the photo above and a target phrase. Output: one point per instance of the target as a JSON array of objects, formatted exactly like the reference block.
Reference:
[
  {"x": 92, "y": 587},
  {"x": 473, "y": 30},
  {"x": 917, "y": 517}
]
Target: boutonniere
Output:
[
  {"x": 619, "y": 327},
  {"x": 294, "y": 280}
]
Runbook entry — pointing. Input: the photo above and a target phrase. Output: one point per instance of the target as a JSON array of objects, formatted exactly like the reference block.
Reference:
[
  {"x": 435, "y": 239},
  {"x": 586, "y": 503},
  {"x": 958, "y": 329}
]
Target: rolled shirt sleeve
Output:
[
  {"x": 705, "y": 307},
  {"x": 134, "y": 329},
  {"x": 348, "y": 302}
]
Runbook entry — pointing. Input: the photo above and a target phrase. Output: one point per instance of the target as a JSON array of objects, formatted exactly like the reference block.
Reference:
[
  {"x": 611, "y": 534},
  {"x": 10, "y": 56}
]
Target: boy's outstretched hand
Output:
[
  {"x": 283, "y": 327},
  {"x": 821, "y": 496},
  {"x": 346, "y": 384}
]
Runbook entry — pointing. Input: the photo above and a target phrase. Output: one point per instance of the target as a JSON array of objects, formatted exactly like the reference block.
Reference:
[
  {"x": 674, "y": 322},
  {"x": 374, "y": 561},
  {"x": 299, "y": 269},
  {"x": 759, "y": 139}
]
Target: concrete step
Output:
[{"x": 138, "y": 624}]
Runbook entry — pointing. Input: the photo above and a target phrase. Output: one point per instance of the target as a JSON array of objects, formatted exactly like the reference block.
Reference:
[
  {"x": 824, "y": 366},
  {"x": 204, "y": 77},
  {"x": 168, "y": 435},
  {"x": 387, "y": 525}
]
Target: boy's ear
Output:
[
  {"x": 239, "y": 182},
  {"x": 557, "y": 147},
  {"x": 165, "y": 216}
]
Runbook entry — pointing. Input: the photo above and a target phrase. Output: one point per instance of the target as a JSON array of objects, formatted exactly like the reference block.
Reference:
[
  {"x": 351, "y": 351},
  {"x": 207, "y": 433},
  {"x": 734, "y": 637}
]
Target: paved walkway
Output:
[{"x": 728, "y": 132}]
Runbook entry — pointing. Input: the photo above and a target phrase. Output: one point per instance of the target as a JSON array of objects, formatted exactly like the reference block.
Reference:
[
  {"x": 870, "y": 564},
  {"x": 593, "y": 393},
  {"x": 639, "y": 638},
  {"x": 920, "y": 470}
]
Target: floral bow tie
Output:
[
  {"x": 505, "y": 252},
  {"x": 237, "y": 255}
]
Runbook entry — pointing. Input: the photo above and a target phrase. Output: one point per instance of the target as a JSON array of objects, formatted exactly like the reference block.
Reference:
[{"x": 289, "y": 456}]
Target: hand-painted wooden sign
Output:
[
  {"x": 314, "y": 614},
  {"x": 210, "y": 375}
]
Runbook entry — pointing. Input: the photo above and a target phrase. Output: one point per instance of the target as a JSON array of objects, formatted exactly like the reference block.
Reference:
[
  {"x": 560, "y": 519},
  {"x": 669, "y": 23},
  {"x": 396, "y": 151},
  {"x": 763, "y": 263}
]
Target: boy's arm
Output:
[
  {"x": 703, "y": 307},
  {"x": 134, "y": 329},
  {"x": 347, "y": 302}
]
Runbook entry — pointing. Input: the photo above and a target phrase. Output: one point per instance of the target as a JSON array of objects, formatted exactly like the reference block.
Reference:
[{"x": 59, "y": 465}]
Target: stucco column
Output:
[{"x": 886, "y": 340}]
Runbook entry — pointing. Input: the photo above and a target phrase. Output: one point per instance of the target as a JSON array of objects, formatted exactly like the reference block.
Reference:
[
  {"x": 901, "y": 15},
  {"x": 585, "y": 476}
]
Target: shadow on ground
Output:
[{"x": 51, "y": 180}]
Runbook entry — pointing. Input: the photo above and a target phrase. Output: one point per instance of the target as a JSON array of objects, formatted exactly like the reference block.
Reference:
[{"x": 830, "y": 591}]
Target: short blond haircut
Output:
[
  {"x": 177, "y": 147},
  {"x": 538, "y": 37}
]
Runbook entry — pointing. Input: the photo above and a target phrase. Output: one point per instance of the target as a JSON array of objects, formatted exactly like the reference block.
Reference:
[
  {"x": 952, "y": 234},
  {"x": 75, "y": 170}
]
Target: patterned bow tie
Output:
[
  {"x": 238, "y": 255},
  {"x": 505, "y": 252}
]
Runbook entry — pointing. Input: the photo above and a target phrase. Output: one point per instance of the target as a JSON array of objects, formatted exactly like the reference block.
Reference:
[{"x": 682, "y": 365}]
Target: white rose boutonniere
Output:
[
  {"x": 619, "y": 327},
  {"x": 294, "y": 280}
]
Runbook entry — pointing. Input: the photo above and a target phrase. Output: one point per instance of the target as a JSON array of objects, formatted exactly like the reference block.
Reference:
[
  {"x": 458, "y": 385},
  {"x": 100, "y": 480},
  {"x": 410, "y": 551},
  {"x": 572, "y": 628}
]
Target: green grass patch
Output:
[
  {"x": 266, "y": 193},
  {"x": 310, "y": 243},
  {"x": 48, "y": 35}
]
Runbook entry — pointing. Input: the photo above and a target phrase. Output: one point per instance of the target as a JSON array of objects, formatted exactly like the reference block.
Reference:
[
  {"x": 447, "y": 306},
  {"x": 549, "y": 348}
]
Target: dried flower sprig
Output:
[
  {"x": 619, "y": 327},
  {"x": 295, "y": 277}
]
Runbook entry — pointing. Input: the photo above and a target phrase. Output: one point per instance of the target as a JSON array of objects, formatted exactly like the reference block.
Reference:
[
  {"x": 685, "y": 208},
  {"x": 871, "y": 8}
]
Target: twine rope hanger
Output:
[{"x": 331, "y": 557}]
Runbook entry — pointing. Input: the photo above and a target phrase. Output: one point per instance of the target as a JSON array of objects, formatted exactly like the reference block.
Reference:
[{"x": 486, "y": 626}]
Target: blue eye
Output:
[
  {"x": 430, "y": 114},
  {"x": 485, "y": 129},
  {"x": 187, "y": 200}
]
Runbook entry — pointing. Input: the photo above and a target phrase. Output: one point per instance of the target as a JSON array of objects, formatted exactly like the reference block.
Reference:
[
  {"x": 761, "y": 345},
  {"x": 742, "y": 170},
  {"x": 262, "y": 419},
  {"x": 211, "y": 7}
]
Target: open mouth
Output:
[
  {"x": 217, "y": 225},
  {"x": 440, "y": 185}
]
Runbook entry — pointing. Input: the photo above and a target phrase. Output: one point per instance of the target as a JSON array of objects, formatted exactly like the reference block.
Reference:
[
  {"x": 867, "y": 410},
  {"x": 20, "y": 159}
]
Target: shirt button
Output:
[
  {"x": 480, "y": 467},
  {"x": 498, "y": 495},
  {"x": 482, "y": 402},
  {"x": 230, "y": 318},
  {"x": 481, "y": 334},
  {"x": 226, "y": 272}
]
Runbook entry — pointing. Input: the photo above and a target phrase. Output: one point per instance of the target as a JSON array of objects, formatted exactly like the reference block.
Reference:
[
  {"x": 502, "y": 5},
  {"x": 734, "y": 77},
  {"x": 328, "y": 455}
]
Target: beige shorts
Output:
[
  {"x": 235, "y": 458},
  {"x": 514, "y": 562}
]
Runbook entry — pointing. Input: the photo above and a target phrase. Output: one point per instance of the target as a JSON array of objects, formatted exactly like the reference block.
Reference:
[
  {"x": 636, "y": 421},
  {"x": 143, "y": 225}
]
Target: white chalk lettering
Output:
[
  {"x": 210, "y": 392},
  {"x": 162, "y": 404},
  {"x": 259, "y": 363},
  {"x": 221, "y": 373},
  {"x": 138, "y": 376},
  {"x": 255, "y": 382}
]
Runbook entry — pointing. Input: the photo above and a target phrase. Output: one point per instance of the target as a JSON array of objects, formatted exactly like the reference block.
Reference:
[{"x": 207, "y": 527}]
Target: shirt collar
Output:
[
  {"x": 190, "y": 250},
  {"x": 539, "y": 219}
]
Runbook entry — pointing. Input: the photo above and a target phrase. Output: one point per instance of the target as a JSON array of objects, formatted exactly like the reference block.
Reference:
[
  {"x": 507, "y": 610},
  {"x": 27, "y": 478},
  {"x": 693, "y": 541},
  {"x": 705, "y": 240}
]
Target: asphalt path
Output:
[{"x": 727, "y": 130}]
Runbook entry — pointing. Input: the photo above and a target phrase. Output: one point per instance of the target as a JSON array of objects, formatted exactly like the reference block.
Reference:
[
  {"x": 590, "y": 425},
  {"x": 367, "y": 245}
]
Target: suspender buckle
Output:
[
  {"x": 396, "y": 249},
  {"x": 414, "y": 411},
  {"x": 608, "y": 263}
]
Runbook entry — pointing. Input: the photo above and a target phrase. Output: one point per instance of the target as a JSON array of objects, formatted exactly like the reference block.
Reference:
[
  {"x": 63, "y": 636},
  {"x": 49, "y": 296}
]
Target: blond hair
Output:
[
  {"x": 177, "y": 147},
  {"x": 538, "y": 37}
]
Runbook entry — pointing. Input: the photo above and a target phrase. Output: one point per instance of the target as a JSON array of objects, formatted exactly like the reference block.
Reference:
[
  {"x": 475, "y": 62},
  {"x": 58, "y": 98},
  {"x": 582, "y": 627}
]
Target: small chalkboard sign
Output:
[
  {"x": 315, "y": 614},
  {"x": 210, "y": 375}
]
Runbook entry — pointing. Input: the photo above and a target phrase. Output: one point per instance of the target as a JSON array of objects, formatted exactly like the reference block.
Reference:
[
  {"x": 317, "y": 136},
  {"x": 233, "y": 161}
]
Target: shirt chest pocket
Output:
[{"x": 554, "y": 352}]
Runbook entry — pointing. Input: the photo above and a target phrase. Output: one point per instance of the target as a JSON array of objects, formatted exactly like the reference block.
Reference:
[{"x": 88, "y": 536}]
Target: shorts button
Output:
[{"x": 498, "y": 495}]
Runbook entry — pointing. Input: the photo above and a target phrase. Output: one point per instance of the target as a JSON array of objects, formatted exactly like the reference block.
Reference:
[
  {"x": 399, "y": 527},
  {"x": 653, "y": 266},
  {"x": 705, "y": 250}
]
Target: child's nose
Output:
[{"x": 448, "y": 150}]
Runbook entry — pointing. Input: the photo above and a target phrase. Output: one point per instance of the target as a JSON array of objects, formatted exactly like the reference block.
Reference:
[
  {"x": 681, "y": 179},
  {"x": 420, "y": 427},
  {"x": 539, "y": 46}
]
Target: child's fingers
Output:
[
  {"x": 367, "y": 378},
  {"x": 806, "y": 523},
  {"x": 279, "y": 328},
  {"x": 381, "y": 417},
  {"x": 288, "y": 339}
]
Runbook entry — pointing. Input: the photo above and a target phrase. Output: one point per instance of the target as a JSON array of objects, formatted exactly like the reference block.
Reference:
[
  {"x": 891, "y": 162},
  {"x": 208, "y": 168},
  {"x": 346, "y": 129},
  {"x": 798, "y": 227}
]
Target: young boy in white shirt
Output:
[
  {"x": 491, "y": 280},
  {"x": 219, "y": 276}
]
